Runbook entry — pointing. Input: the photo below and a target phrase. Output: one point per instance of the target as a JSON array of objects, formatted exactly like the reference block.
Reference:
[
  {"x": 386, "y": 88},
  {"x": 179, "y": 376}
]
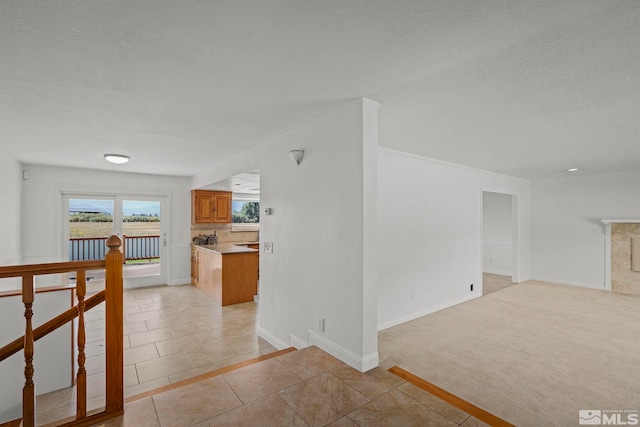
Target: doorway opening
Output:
[{"x": 499, "y": 243}]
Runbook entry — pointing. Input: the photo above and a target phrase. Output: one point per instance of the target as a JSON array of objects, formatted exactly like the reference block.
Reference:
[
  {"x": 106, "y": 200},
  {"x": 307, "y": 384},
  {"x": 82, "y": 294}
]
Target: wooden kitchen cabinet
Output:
[
  {"x": 210, "y": 207},
  {"x": 226, "y": 273}
]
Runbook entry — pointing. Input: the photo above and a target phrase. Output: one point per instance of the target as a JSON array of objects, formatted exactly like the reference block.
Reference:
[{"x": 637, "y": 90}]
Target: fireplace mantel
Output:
[{"x": 621, "y": 221}]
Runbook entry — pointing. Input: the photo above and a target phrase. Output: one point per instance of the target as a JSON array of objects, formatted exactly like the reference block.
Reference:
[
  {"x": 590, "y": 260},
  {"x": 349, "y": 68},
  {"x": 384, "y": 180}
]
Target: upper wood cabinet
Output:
[
  {"x": 210, "y": 207},
  {"x": 222, "y": 208}
]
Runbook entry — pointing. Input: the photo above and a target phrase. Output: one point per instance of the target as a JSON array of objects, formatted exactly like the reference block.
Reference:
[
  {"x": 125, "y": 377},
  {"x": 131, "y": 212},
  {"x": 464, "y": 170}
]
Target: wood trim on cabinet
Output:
[{"x": 211, "y": 207}]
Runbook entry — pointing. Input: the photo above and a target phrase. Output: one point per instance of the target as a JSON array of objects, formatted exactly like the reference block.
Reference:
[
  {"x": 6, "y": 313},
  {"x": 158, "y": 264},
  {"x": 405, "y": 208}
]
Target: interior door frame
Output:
[
  {"x": 515, "y": 233},
  {"x": 135, "y": 282},
  {"x": 118, "y": 197}
]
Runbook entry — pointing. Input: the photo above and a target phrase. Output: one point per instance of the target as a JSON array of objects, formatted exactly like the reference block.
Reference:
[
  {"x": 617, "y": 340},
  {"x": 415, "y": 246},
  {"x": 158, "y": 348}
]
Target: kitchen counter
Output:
[
  {"x": 227, "y": 248},
  {"x": 228, "y": 273}
]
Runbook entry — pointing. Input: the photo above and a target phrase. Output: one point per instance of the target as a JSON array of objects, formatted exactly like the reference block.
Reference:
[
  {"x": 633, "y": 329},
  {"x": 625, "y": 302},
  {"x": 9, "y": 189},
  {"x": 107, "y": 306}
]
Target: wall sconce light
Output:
[
  {"x": 296, "y": 156},
  {"x": 117, "y": 158}
]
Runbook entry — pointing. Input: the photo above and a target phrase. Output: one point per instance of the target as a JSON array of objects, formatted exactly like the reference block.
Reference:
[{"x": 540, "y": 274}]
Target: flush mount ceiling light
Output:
[
  {"x": 296, "y": 156},
  {"x": 572, "y": 170},
  {"x": 117, "y": 158}
]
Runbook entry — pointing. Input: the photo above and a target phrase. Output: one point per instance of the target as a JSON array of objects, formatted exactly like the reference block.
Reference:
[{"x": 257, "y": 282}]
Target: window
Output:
[{"x": 246, "y": 214}]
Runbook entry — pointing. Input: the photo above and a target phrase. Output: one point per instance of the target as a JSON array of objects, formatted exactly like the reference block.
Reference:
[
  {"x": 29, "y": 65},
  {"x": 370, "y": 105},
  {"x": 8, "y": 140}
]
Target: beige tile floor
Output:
[
  {"x": 171, "y": 334},
  {"x": 175, "y": 333},
  {"x": 307, "y": 387}
]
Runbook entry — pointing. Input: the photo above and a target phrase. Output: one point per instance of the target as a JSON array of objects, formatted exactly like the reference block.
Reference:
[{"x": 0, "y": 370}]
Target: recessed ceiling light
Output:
[
  {"x": 117, "y": 158},
  {"x": 572, "y": 170}
]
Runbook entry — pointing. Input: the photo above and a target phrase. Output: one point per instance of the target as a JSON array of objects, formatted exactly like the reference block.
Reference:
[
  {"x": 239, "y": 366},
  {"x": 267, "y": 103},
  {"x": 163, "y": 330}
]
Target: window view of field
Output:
[
  {"x": 91, "y": 221},
  {"x": 88, "y": 226}
]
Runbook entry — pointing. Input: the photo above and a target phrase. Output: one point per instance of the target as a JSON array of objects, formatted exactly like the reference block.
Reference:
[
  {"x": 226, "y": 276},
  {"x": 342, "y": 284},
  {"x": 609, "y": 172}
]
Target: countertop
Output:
[
  {"x": 227, "y": 248},
  {"x": 242, "y": 243}
]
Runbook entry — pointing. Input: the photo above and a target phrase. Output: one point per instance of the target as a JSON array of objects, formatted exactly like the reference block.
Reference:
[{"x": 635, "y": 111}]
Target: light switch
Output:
[{"x": 268, "y": 247}]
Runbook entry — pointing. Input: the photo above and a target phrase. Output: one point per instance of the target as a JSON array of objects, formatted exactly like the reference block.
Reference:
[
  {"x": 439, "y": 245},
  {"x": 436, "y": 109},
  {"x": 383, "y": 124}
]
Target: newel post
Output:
[{"x": 114, "y": 327}]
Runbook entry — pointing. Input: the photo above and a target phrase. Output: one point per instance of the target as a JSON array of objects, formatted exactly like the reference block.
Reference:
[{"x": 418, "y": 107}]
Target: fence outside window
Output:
[{"x": 133, "y": 248}]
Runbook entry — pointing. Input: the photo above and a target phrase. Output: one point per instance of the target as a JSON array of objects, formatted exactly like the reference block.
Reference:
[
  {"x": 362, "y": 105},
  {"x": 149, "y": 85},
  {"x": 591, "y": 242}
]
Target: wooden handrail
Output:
[
  {"x": 50, "y": 326},
  {"x": 44, "y": 289},
  {"x": 53, "y": 268},
  {"x": 87, "y": 238},
  {"x": 114, "y": 347}
]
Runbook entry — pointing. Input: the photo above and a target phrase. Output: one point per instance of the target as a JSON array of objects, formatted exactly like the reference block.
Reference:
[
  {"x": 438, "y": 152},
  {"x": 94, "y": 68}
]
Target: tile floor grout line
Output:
[
  {"x": 465, "y": 420},
  {"x": 234, "y": 392},
  {"x": 155, "y": 410},
  {"x": 287, "y": 403},
  {"x": 369, "y": 400},
  {"x": 428, "y": 406}
]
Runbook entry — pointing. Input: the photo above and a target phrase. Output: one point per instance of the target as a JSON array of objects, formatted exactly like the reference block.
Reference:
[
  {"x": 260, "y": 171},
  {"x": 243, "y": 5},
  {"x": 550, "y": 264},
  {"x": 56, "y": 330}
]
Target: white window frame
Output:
[{"x": 244, "y": 198}]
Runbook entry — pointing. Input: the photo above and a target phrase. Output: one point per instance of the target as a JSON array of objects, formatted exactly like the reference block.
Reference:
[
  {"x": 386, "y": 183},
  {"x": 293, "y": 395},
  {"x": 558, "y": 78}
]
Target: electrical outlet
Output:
[
  {"x": 268, "y": 247},
  {"x": 471, "y": 287}
]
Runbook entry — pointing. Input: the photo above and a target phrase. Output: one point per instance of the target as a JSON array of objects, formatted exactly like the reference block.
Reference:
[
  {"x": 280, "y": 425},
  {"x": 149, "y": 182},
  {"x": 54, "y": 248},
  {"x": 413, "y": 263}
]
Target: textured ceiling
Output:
[{"x": 526, "y": 88}]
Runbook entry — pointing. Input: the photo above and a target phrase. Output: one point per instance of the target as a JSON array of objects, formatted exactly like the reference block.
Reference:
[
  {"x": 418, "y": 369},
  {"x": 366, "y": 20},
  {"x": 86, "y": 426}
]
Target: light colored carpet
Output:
[
  {"x": 494, "y": 282},
  {"x": 533, "y": 354}
]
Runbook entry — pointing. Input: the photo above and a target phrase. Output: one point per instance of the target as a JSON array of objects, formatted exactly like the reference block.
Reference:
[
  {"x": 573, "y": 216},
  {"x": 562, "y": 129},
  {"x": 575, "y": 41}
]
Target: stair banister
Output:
[{"x": 112, "y": 295}]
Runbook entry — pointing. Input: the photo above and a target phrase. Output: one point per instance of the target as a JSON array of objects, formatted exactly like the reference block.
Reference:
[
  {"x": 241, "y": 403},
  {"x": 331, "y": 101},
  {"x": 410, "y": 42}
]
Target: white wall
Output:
[
  {"x": 430, "y": 233},
  {"x": 323, "y": 231},
  {"x": 496, "y": 233},
  {"x": 567, "y": 233},
  {"x": 10, "y": 194},
  {"x": 42, "y": 209},
  {"x": 10, "y": 310}
]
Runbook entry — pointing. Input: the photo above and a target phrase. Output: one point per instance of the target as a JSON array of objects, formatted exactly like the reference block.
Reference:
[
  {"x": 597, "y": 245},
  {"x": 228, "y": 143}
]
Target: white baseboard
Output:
[
  {"x": 177, "y": 282},
  {"x": 296, "y": 342},
  {"x": 408, "y": 318},
  {"x": 570, "y": 283},
  {"x": 272, "y": 339},
  {"x": 361, "y": 363}
]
